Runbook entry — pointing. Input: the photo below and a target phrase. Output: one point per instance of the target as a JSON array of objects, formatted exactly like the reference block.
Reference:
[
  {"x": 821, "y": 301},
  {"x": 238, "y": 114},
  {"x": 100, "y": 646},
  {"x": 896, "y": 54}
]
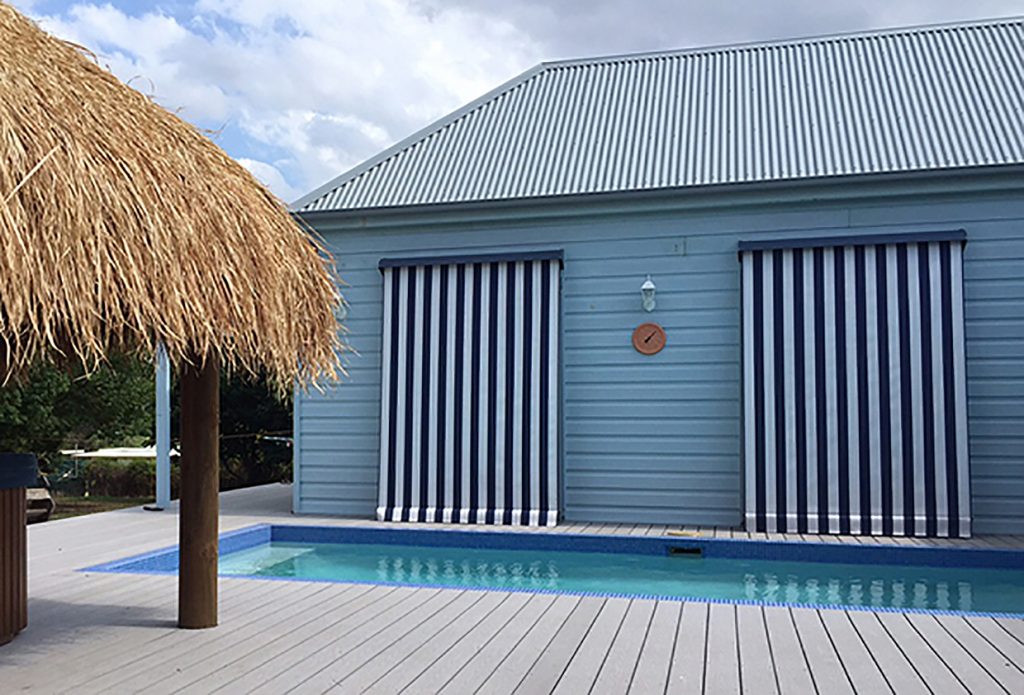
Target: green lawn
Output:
[{"x": 78, "y": 506}]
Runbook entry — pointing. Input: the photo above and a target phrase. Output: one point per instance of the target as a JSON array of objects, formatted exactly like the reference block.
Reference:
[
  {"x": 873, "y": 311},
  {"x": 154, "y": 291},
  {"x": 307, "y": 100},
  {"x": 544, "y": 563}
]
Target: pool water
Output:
[{"x": 682, "y": 576}]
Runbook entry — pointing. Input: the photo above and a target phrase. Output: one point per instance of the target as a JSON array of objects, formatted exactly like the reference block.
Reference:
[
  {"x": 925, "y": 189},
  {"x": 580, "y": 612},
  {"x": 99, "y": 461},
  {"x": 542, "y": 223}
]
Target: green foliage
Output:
[
  {"x": 54, "y": 409},
  {"x": 249, "y": 414},
  {"x": 114, "y": 406},
  {"x": 125, "y": 478},
  {"x": 30, "y": 417}
]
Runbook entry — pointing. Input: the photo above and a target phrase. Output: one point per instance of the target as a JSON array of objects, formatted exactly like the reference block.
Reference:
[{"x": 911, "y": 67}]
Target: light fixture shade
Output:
[{"x": 647, "y": 291}]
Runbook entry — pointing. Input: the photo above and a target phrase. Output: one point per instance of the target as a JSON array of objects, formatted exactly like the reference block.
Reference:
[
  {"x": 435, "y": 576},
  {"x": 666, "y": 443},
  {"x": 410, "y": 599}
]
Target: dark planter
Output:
[{"x": 17, "y": 472}]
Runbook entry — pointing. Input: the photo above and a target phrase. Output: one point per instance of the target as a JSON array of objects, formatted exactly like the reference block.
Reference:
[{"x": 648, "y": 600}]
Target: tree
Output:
[
  {"x": 53, "y": 409},
  {"x": 30, "y": 420},
  {"x": 113, "y": 406},
  {"x": 255, "y": 431}
]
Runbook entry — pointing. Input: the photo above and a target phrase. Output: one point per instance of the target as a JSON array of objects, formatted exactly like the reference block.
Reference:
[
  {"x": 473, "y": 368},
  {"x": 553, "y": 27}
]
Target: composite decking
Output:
[{"x": 114, "y": 633}]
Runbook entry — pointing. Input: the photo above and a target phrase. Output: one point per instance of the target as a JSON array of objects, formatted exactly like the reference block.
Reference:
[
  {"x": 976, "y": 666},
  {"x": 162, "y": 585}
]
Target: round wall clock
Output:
[{"x": 649, "y": 338}]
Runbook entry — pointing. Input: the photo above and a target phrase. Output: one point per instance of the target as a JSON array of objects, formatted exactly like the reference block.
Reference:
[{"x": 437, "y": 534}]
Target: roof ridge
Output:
[{"x": 787, "y": 41}]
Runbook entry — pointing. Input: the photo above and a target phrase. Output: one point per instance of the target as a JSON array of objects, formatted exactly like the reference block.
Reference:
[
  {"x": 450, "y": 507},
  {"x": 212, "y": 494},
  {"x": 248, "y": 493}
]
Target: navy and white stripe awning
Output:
[
  {"x": 469, "y": 408},
  {"x": 854, "y": 386}
]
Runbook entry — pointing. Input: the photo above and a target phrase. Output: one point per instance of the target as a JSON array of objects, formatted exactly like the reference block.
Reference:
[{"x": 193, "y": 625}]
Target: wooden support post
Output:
[
  {"x": 13, "y": 564},
  {"x": 200, "y": 483}
]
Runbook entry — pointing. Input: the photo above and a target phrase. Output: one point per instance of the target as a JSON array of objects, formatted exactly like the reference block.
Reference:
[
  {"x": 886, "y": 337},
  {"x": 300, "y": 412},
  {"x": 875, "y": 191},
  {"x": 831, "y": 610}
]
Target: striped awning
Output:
[
  {"x": 854, "y": 386},
  {"x": 469, "y": 407}
]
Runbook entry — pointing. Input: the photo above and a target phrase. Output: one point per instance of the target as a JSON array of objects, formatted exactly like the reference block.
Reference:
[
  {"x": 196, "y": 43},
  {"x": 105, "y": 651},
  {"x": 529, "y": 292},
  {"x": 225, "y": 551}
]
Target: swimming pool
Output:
[{"x": 736, "y": 571}]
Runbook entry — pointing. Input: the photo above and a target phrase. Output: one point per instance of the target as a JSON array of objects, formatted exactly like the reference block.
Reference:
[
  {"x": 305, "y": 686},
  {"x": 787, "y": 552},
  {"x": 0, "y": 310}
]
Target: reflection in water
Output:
[{"x": 855, "y": 591}]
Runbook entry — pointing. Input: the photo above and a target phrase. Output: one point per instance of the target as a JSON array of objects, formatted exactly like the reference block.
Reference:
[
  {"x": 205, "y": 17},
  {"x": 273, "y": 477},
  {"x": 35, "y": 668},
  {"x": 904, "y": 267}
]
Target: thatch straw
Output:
[{"x": 121, "y": 225}]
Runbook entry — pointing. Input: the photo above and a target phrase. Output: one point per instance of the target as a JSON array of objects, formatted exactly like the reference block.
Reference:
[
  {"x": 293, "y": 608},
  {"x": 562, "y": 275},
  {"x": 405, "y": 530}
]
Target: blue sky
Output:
[{"x": 301, "y": 90}]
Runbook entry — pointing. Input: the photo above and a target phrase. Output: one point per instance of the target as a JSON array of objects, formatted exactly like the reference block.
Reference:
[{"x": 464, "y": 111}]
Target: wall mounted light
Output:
[{"x": 647, "y": 291}]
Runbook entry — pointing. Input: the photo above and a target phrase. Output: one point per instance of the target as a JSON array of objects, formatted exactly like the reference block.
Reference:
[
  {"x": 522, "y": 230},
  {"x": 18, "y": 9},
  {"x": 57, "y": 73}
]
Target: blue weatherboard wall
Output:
[{"x": 658, "y": 439}]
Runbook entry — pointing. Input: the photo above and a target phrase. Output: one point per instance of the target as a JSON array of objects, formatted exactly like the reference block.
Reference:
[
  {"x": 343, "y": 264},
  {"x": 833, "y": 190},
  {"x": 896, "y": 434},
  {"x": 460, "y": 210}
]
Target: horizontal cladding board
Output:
[
  {"x": 644, "y": 481},
  {"x": 683, "y": 319},
  {"x": 991, "y": 269},
  {"x": 353, "y": 474},
  {"x": 999, "y": 310},
  {"x": 1006, "y": 487},
  {"x": 676, "y": 463},
  {"x": 695, "y": 515},
  {"x": 641, "y": 429},
  {"x": 654, "y": 373},
  {"x": 642, "y": 409},
  {"x": 994, "y": 349},
  {"x": 625, "y": 393},
  {"x": 342, "y": 492},
  {"x": 334, "y": 507},
  {"x": 616, "y": 402},
  {"x": 584, "y": 446},
  {"x": 331, "y": 425},
  {"x": 707, "y": 499}
]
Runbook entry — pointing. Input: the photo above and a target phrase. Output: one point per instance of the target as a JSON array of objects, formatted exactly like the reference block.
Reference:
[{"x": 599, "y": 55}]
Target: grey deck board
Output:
[
  {"x": 826, "y": 668},
  {"x": 1013, "y": 627},
  {"x": 686, "y": 674},
  {"x": 480, "y": 663},
  {"x": 413, "y": 661},
  {"x": 898, "y": 672},
  {"x": 512, "y": 666},
  {"x": 757, "y": 668},
  {"x": 158, "y": 660},
  {"x": 109, "y": 644},
  {"x": 1005, "y": 670},
  {"x": 116, "y": 632},
  {"x": 550, "y": 664},
  {"x": 621, "y": 661},
  {"x": 249, "y": 668},
  {"x": 721, "y": 655},
  {"x": 967, "y": 667},
  {"x": 1008, "y": 645},
  {"x": 381, "y": 603},
  {"x": 791, "y": 667},
  {"x": 261, "y": 638},
  {"x": 933, "y": 670},
  {"x": 358, "y": 647},
  {"x": 339, "y": 642},
  {"x": 464, "y": 608},
  {"x": 432, "y": 665},
  {"x": 860, "y": 665},
  {"x": 113, "y": 626},
  {"x": 581, "y": 672},
  {"x": 655, "y": 658}
]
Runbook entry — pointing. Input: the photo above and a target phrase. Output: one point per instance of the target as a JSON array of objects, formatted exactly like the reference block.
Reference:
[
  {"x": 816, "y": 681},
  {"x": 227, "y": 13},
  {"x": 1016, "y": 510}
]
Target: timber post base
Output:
[
  {"x": 17, "y": 472},
  {"x": 13, "y": 564}
]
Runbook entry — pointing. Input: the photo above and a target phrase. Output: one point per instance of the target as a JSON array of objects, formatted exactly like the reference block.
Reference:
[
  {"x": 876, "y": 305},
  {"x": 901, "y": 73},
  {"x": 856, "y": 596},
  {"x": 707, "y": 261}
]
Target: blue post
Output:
[{"x": 163, "y": 430}]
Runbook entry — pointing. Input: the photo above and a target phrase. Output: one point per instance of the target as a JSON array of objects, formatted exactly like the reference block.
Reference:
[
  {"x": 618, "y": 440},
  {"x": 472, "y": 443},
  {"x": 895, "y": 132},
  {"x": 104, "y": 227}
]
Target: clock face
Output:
[{"x": 649, "y": 338}]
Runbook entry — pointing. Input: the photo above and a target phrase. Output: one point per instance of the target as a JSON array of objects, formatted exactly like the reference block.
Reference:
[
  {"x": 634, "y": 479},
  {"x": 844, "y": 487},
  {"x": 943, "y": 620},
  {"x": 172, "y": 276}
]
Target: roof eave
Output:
[{"x": 803, "y": 185}]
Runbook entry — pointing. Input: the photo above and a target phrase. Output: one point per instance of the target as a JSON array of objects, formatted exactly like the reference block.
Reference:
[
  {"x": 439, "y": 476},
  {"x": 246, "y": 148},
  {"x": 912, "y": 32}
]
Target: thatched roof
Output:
[{"x": 121, "y": 225}]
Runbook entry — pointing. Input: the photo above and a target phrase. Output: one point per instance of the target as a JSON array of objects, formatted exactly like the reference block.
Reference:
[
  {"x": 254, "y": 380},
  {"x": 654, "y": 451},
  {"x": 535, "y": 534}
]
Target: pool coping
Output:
[{"x": 152, "y": 561}]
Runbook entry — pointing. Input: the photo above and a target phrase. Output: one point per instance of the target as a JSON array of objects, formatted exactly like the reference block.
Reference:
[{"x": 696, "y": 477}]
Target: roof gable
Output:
[{"x": 904, "y": 100}]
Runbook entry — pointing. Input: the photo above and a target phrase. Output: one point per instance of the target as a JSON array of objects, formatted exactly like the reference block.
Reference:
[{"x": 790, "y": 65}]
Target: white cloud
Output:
[
  {"x": 303, "y": 90},
  {"x": 271, "y": 176},
  {"x": 314, "y": 87}
]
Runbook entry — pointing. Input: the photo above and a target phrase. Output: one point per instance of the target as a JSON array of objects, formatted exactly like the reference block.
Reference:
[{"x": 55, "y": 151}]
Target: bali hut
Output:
[{"x": 123, "y": 227}]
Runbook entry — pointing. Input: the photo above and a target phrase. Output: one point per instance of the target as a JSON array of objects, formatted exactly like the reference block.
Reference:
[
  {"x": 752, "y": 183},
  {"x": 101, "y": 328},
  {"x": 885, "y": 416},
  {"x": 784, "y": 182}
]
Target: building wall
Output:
[{"x": 657, "y": 439}]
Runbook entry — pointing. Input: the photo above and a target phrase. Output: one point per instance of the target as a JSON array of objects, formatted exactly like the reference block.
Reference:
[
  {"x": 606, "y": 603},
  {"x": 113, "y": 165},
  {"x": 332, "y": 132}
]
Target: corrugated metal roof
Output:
[{"x": 903, "y": 100}]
